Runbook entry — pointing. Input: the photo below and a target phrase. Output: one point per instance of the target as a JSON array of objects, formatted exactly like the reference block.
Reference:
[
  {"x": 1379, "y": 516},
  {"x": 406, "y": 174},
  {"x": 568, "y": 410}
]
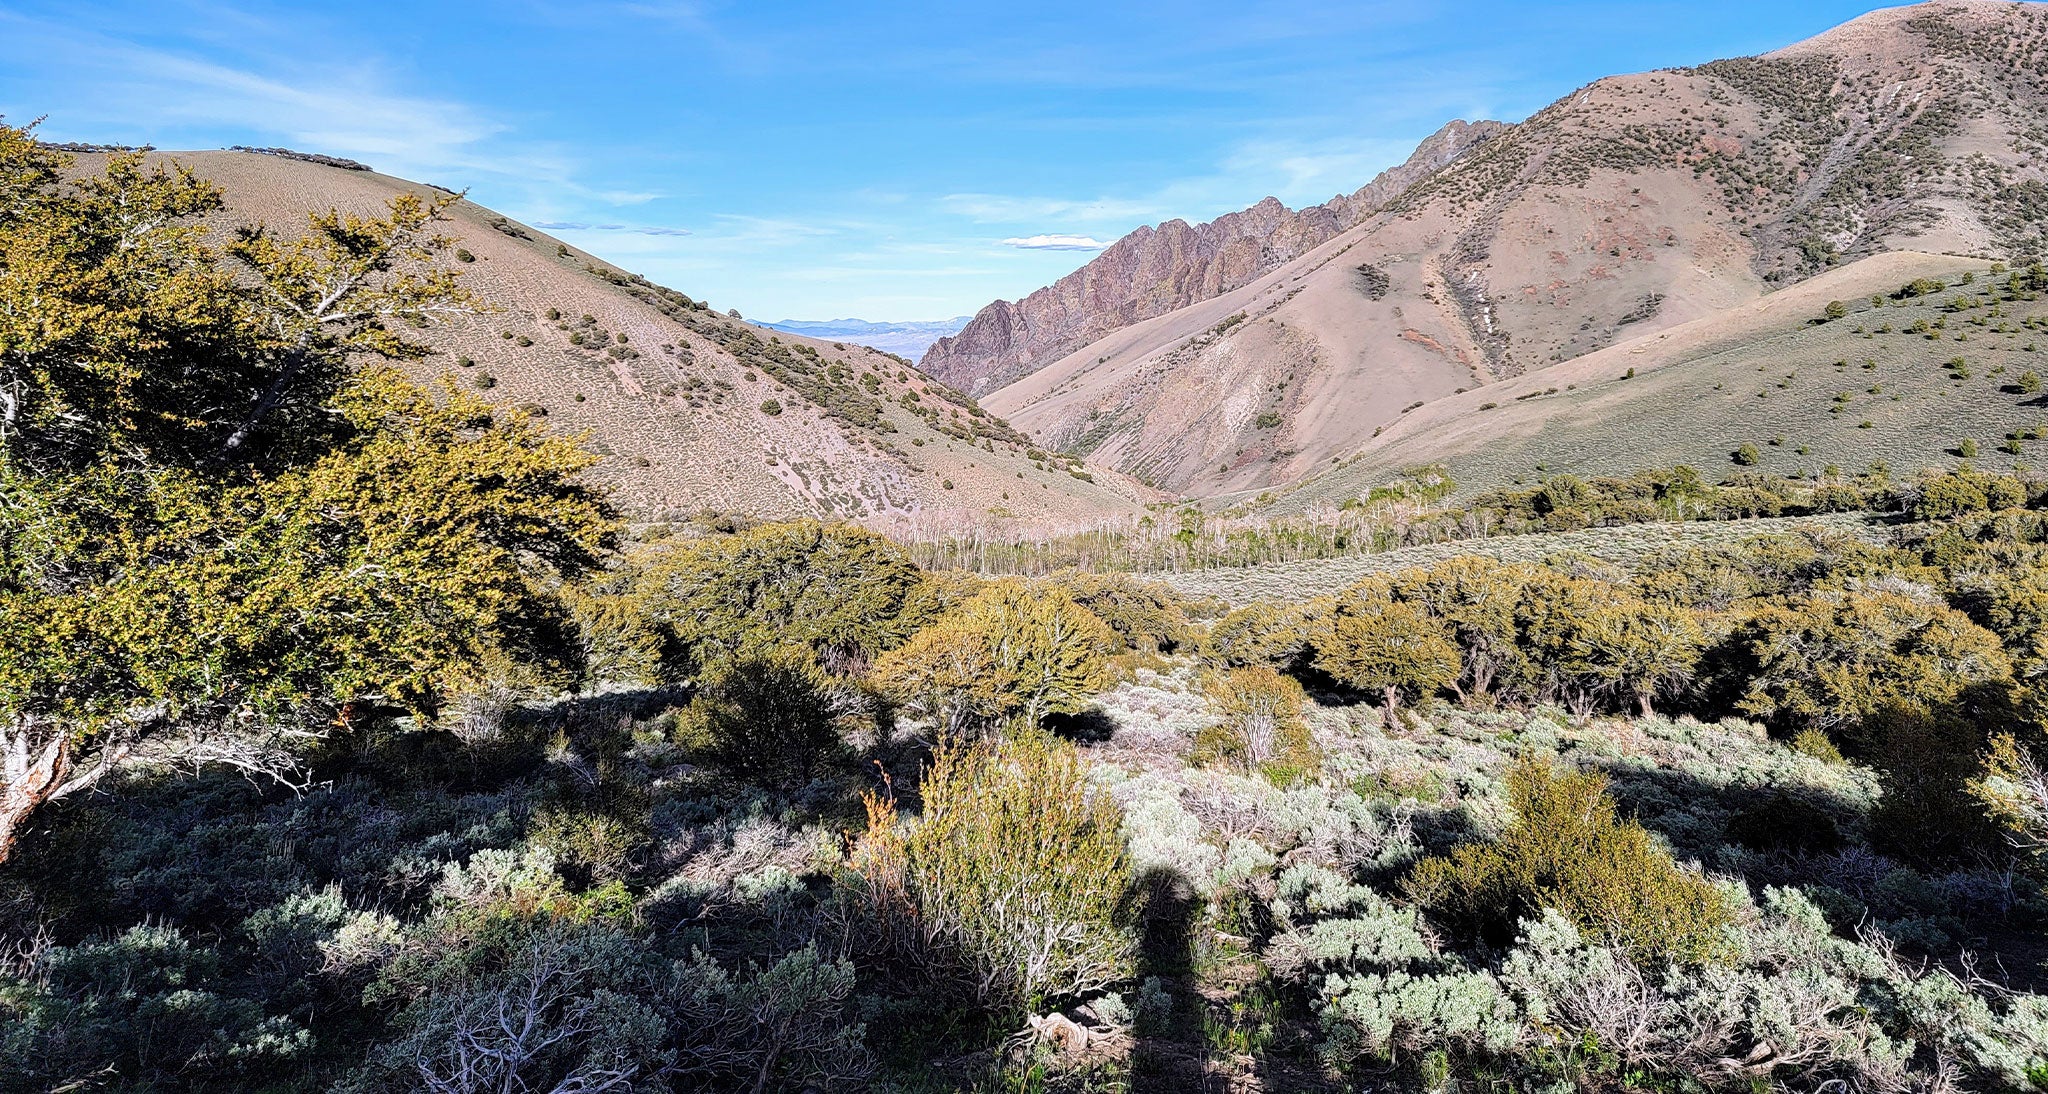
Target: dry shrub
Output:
[{"x": 1262, "y": 730}]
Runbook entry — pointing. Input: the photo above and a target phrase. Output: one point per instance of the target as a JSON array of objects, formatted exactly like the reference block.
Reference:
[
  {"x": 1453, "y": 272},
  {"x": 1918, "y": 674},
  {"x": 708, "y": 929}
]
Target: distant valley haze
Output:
[{"x": 905, "y": 339}]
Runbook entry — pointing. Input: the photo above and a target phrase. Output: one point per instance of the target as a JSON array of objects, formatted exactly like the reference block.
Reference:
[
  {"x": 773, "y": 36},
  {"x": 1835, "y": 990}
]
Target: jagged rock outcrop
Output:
[{"x": 1153, "y": 271}]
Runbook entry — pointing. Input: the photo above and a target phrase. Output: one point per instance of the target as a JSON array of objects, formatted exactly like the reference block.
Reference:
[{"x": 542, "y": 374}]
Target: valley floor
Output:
[{"x": 1623, "y": 545}]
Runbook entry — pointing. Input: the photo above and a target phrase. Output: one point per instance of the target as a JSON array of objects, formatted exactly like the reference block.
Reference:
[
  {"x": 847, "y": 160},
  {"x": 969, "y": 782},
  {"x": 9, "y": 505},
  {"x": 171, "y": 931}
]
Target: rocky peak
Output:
[{"x": 1153, "y": 271}]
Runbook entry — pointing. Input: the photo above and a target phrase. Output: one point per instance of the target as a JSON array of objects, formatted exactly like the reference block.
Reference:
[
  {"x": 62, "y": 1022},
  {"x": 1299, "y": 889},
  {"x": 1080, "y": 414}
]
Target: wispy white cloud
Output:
[
  {"x": 102, "y": 86},
  {"x": 1010, "y": 209},
  {"x": 1055, "y": 243},
  {"x": 636, "y": 229},
  {"x": 347, "y": 111}
]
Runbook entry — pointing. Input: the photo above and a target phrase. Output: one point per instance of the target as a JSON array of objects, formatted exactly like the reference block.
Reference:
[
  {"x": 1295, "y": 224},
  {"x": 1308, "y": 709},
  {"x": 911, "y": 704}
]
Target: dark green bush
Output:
[{"x": 768, "y": 717}]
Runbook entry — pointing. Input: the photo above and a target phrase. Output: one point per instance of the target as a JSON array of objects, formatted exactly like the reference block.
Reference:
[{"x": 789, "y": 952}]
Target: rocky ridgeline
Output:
[{"x": 1153, "y": 271}]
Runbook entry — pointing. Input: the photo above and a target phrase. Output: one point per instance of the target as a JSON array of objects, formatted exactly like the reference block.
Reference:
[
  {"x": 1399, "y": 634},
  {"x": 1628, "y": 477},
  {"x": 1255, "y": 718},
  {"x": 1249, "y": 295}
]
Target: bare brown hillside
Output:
[
  {"x": 1633, "y": 205},
  {"x": 694, "y": 410},
  {"x": 1153, "y": 271}
]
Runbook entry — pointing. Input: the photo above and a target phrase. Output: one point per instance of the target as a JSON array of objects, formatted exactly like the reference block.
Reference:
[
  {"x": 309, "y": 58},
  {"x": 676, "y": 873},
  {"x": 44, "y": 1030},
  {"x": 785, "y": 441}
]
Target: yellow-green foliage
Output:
[
  {"x": 1014, "y": 651},
  {"x": 2014, "y": 788},
  {"x": 433, "y": 536},
  {"x": 1833, "y": 656},
  {"x": 846, "y": 593},
  {"x": 1477, "y": 599},
  {"x": 1148, "y": 617},
  {"x": 1009, "y": 888},
  {"x": 1965, "y": 490},
  {"x": 1256, "y": 634},
  {"x": 1634, "y": 648},
  {"x": 1566, "y": 850},
  {"x": 211, "y": 517},
  {"x": 1369, "y": 641},
  {"x": 1260, "y": 728}
]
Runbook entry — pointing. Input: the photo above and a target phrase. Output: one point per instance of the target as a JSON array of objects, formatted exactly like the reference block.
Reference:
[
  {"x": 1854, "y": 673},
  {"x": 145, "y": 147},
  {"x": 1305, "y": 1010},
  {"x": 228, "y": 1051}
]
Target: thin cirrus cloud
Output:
[
  {"x": 636, "y": 229},
  {"x": 1055, "y": 243}
]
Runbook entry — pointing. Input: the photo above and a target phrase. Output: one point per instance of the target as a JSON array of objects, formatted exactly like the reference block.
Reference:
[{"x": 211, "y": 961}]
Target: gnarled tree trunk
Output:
[{"x": 38, "y": 765}]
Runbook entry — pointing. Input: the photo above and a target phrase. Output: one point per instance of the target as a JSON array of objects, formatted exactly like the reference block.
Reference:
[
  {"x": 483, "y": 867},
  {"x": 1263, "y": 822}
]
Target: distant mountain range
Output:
[{"x": 902, "y": 339}]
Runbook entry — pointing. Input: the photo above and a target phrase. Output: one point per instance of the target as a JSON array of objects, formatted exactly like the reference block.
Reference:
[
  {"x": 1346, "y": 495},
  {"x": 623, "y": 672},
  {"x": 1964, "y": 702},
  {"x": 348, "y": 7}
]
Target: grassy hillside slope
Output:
[{"x": 1807, "y": 395}]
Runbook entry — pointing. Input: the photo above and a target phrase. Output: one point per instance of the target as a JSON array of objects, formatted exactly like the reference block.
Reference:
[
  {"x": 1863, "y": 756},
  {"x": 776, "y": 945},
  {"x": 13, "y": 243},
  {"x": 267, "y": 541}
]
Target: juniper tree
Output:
[
  {"x": 1013, "y": 653},
  {"x": 1385, "y": 647},
  {"x": 218, "y": 531}
]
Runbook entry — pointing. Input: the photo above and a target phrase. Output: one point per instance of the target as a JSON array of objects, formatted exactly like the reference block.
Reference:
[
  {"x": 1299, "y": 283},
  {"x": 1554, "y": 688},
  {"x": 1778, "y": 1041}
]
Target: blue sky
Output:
[{"x": 822, "y": 160}]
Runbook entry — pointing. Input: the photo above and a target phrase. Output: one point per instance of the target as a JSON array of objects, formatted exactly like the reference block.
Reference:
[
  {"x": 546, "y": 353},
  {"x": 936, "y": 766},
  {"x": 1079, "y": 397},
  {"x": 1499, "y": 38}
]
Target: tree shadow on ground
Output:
[
  {"x": 1088, "y": 727},
  {"x": 1966, "y": 909}
]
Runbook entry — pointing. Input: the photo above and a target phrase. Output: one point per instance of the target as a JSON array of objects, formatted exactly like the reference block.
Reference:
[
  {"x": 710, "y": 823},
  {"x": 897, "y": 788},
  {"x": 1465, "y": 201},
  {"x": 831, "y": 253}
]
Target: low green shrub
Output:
[{"x": 1566, "y": 850}]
